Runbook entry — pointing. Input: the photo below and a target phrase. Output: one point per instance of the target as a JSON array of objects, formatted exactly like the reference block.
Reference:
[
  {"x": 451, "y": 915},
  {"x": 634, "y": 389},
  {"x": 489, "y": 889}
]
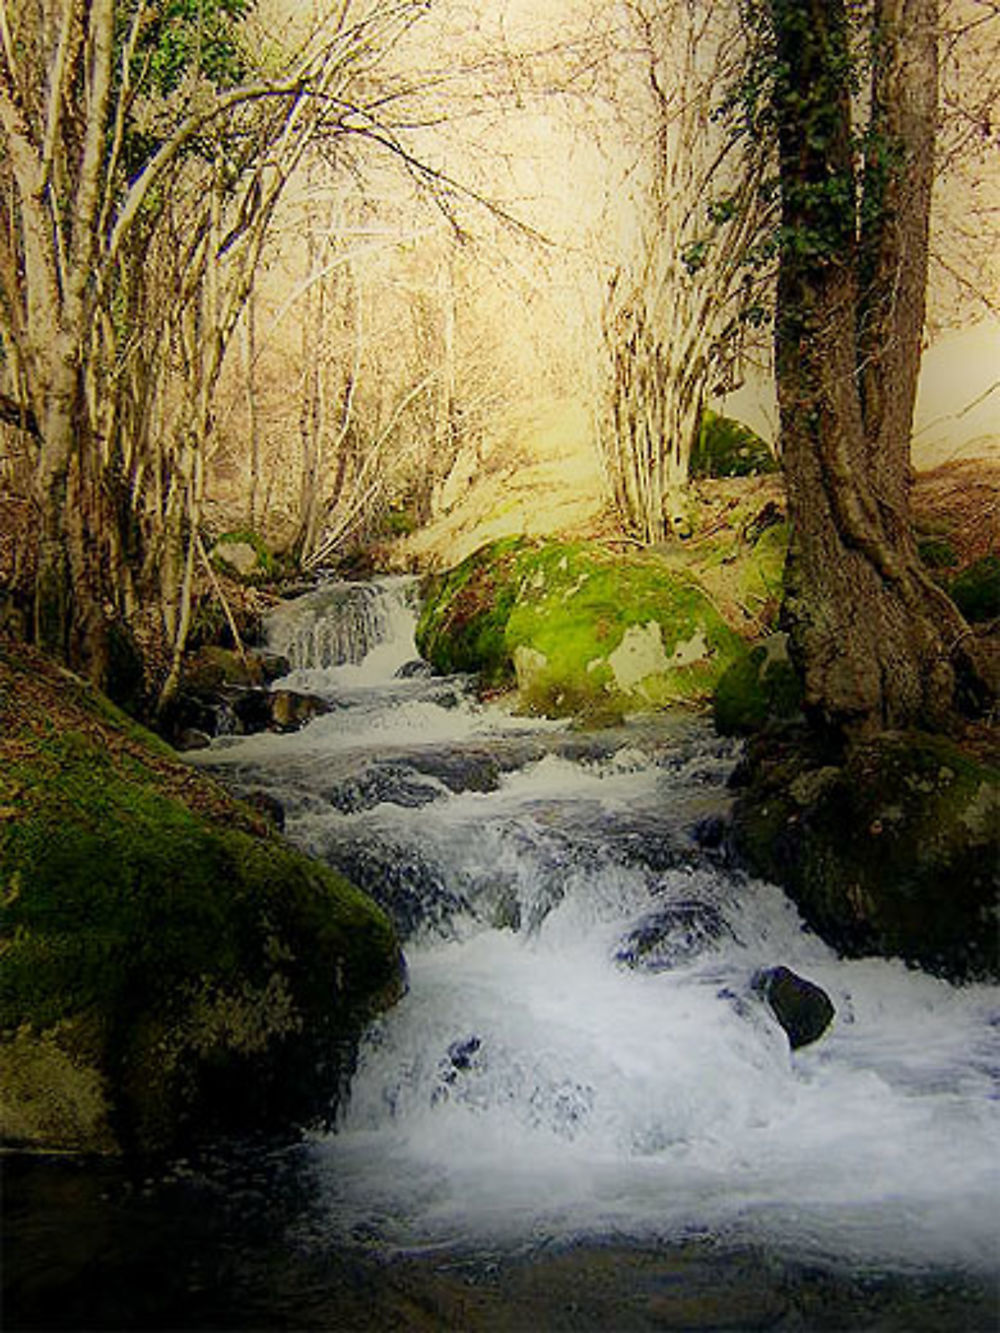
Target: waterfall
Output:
[{"x": 330, "y": 634}]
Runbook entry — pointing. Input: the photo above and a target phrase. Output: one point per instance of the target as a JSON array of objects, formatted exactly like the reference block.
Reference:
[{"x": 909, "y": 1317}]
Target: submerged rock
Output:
[
  {"x": 802, "y": 1008},
  {"x": 672, "y": 936},
  {"x": 172, "y": 969}
]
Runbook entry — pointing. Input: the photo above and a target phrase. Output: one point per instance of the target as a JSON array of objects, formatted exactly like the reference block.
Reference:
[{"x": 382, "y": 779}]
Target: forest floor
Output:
[{"x": 543, "y": 477}]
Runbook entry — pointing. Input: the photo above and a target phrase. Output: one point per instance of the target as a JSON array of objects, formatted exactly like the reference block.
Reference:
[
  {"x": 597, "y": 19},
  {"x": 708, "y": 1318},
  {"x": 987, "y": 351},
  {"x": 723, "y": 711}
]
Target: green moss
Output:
[
  {"x": 895, "y": 851},
  {"x": 216, "y": 971},
  {"x": 464, "y": 618},
  {"x": 266, "y": 566},
  {"x": 937, "y": 552},
  {"x": 584, "y": 632},
  {"x": 976, "y": 591},
  {"x": 727, "y": 448},
  {"x": 760, "y": 689}
]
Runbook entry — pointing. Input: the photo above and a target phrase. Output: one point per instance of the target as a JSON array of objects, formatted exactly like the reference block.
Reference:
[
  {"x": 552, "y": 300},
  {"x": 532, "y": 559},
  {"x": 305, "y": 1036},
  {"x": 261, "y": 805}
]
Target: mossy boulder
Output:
[
  {"x": 172, "y": 969},
  {"x": 727, "y": 448},
  {"x": 894, "y": 850},
  {"x": 580, "y": 630},
  {"x": 761, "y": 689},
  {"x": 976, "y": 591},
  {"x": 244, "y": 555}
]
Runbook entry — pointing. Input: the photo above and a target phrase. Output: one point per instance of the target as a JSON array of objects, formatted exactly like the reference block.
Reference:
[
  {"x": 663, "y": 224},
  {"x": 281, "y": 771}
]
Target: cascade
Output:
[
  {"x": 584, "y": 1112},
  {"x": 582, "y": 1049}
]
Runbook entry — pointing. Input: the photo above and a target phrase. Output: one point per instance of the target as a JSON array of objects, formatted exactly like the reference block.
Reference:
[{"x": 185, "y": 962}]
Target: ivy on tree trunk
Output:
[{"x": 879, "y": 644}]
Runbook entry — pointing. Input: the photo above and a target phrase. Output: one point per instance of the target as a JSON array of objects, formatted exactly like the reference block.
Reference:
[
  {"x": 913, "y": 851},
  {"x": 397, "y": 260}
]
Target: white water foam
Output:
[{"x": 531, "y": 1085}]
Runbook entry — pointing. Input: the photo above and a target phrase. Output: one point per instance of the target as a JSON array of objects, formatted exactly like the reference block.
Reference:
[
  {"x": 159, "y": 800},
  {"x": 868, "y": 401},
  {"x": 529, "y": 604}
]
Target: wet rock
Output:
[
  {"x": 249, "y": 711},
  {"x": 802, "y": 1008},
  {"x": 173, "y": 972},
  {"x": 290, "y": 710},
  {"x": 415, "y": 670},
  {"x": 391, "y": 781},
  {"x": 583, "y": 632},
  {"x": 710, "y": 832},
  {"x": 461, "y": 1057},
  {"x": 672, "y": 936},
  {"x": 190, "y": 738},
  {"x": 893, "y": 851},
  {"x": 269, "y": 806}
]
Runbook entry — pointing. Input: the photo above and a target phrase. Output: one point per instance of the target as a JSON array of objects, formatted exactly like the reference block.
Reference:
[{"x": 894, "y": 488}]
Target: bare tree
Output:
[
  {"x": 130, "y": 139},
  {"x": 672, "y": 321}
]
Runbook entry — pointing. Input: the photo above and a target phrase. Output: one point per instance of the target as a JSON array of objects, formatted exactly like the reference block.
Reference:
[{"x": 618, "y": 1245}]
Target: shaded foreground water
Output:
[{"x": 581, "y": 1116}]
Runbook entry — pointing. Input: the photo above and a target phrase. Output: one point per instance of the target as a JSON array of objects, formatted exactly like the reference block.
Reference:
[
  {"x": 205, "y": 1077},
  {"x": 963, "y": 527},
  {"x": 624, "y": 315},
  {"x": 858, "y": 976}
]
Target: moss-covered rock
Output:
[
  {"x": 895, "y": 850},
  {"x": 976, "y": 591},
  {"x": 727, "y": 448},
  {"x": 760, "y": 689},
  {"x": 171, "y": 968},
  {"x": 581, "y": 631},
  {"x": 244, "y": 555}
]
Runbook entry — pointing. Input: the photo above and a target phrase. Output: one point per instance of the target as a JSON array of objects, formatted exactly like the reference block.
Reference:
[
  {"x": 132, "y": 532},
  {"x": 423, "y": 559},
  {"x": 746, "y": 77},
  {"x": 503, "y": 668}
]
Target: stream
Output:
[{"x": 582, "y": 1115}]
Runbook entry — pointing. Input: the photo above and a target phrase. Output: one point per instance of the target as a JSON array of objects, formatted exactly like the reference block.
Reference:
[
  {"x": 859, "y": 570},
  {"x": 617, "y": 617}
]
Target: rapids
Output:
[
  {"x": 581, "y": 1115},
  {"x": 541, "y": 1078}
]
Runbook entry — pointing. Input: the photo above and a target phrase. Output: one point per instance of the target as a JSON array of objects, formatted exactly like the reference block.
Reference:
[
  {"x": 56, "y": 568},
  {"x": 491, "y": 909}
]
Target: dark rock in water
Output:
[
  {"x": 297, "y": 588},
  {"x": 461, "y": 1057},
  {"x": 268, "y": 805},
  {"x": 410, "y": 889},
  {"x": 672, "y": 936},
  {"x": 250, "y": 711},
  {"x": 191, "y": 738},
  {"x": 392, "y": 781},
  {"x": 416, "y": 670},
  {"x": 802, "y": 1008},
  {"x": 710, "y": 832},
  {"x": 290, "y": 710}
]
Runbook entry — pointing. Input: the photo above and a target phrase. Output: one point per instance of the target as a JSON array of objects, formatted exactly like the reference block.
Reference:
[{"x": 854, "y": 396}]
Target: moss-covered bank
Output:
[
  {"x": 894, "y": 850},
  {"x": 171, "y": 969},
  {"x": 580, "y": 630}
]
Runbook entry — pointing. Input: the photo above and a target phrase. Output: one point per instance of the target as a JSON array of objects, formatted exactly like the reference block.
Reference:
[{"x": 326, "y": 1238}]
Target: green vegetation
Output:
[
  {"x": 727, "y": 448},
  {"x": 937, "y": 552},
  {"x": 580, "y": 630},
  {"x": 186, "y": 971},
  {"x": 976, "y": 591},
  {"x": 895, "y": 851},
  {"x": 760, "y": 689}
]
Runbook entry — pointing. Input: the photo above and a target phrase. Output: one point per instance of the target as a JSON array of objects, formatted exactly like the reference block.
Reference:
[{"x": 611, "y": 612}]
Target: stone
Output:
[
  {"x": 583, "y": 632},
  {"x": 241, "y": 556},
  {"x": 173, "y": 971},
  {"x": 671, "y": 936},
  {"x": 893, "y": 850},
  {"x": 290, "y": 710},
  {"x": 803, "y": 1009}
]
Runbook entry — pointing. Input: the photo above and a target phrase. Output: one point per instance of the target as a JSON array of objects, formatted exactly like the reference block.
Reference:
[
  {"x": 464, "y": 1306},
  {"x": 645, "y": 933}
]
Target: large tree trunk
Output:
[{"x": 874, "y": 637}]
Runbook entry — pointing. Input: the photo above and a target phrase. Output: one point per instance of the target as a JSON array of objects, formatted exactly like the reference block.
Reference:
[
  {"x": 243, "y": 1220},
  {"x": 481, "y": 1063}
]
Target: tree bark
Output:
[{"x": 877, "y": 642}]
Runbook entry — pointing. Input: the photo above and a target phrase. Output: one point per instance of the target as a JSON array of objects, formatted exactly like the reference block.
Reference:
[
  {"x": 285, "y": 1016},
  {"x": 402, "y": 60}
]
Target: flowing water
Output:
[{"x": 581, "y": 1115}]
